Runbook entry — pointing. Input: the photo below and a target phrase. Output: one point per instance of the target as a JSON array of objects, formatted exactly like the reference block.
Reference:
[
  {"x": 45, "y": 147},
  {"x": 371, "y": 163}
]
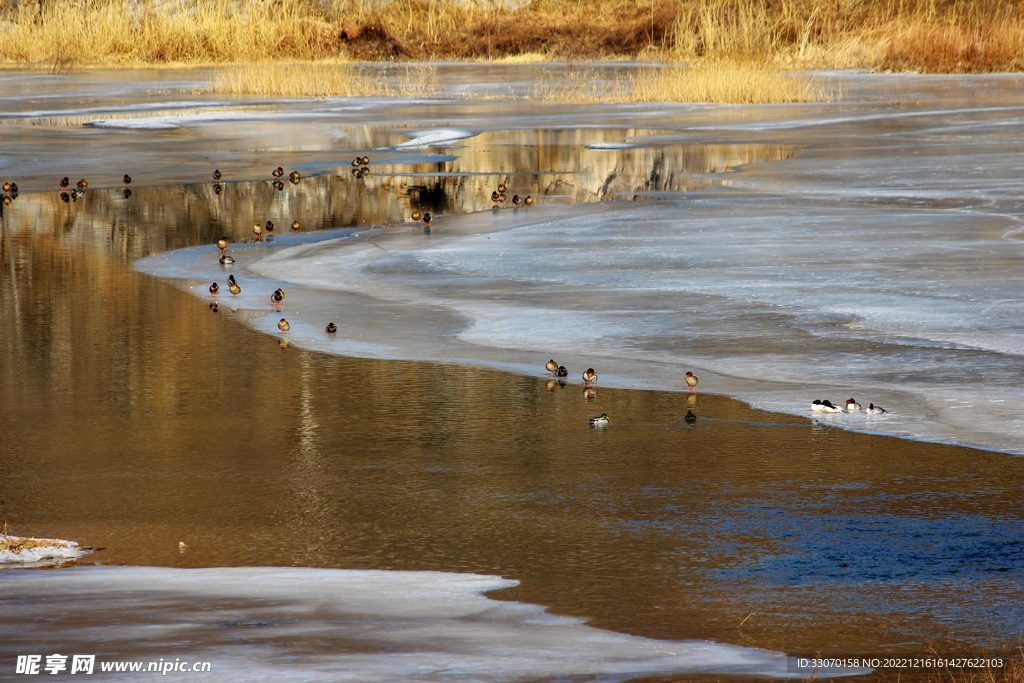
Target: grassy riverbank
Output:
[{"x": 950, "y": 36}]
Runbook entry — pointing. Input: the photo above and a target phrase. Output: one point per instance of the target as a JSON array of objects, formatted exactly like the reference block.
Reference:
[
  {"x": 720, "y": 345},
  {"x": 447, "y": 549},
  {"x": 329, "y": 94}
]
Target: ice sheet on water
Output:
[
  {"x": 297, "y": 624},
  {"x": 434, "y": 137}
]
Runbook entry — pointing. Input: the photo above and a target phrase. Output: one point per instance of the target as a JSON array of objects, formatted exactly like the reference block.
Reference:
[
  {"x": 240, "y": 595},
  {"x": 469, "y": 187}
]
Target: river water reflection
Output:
[{"x": 136, "y": 416}]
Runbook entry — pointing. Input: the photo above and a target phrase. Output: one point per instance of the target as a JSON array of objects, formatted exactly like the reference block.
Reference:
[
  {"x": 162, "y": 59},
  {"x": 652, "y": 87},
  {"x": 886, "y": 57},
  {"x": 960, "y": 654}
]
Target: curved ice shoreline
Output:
[
  {"x": 397, "y": 294},
  {"x": 298, "y": 624}
]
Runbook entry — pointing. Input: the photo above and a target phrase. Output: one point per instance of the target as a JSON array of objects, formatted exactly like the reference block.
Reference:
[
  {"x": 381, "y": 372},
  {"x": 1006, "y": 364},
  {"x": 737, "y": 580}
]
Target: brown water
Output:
[{"x": 134, "y": 418}]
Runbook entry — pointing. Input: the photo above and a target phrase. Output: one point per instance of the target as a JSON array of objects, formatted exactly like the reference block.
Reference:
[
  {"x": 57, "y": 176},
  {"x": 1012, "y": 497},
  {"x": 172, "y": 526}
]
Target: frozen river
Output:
[{"x": 866, "y": 248}]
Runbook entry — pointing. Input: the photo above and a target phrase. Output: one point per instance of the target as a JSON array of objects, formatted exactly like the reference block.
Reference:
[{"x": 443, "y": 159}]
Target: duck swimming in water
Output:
[
  {"x": 214, "y": 290},
  {"x": 600, "y": 421},
  {"x": 875, "y": 410},
  {"x": 690, "y": 417},
  {"x": 331, "y": 328},
  {"x": 589, "y": 376},
  {"x": 691, "y": 381},
  {"x": 551, "y": 366},
  {"x": 852, "y": 406},
  {"x": 226, "y": 260},
  {"x": 817, "y": 405}
]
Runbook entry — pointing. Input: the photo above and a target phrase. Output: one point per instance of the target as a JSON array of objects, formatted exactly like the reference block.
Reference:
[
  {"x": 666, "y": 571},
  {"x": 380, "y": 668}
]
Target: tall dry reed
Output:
[{"x": 925, "y": 35}]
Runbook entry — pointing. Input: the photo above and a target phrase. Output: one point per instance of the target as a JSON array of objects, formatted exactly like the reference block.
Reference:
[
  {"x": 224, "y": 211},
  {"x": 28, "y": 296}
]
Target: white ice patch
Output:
[
  {"x": 436, "y": 137},
  {"x": 300, "y": 624},
  {"x": 16, "y": 550}
]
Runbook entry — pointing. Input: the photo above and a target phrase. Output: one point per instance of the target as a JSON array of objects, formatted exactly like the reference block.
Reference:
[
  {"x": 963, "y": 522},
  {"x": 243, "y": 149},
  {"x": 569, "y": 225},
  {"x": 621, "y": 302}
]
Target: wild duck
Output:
[
  {"x": 589, "y": 376},
  {"x": 331, "y": 328},
  {"x": 551, "y": 366},
  {"x": 216, "y": 175},
  {"x": 827, "y": 407},
  {"x": 223, "y": 244},
  {"x": 284, "y": 326},
  {"x": 127, "y": 179},
  {"x": 278, "y": 172},
  {"x": 214, "y": 289},
  {"x": 235, "y": 289},
  {"x": 561, "y": 371},
  {"x": 226, "y": 260},
  {"x": 416, "y": 215},
  {"x": 277, "y": 297},
  {"x": 875, "y": 410},
  {"x": 600, "y": 421},
  {"x": 852, "y": 406},
  {"x": 691, "y": 381},
  {"x": 528, "y": 201},
  {"x": 690, "y": 417}
]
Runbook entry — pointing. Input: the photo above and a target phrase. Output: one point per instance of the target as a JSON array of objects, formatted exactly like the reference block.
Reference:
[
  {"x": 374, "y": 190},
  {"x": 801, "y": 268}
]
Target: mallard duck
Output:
[
  {"x": 64, "y": 182},
  {"x": 827, "y": 407},
  {"x": 294, "y": 175},
  {"x": 7, "y": 187},
  {"x": 501, "y": 198},
  {"x": 331, "y": 328},
  {"x": 365, "y": 161},
  {"x": 231, "y": 279},
  {"x": 356, "y": 162},
  {"x": 226, "y": 260},
  {"x": 270, "y": 226},
  {"x": 277, "y": 297},
  {"x": 257, "y": 230},
  {"x": 552, "y": 366},
  {"x": 600, "y": 421},
  {"x": 278, "y": 172},
  {"x": 216, "y": 175},
  {"x": 501, "y": 187},
  {"x": 214, "y": 289},
  {"x": 589, "y": 376},
  {"x": 691, "y": 381},
  {"x": 284, "y": 326},
  {"x": 127, "y": 179},
  {"x": 852, "y": 406},
  {"x": 528, "y": 201},
  {"x": 516, "y": 201},
  {"x": 416, "y": 216},
  {"x": 817, "y": 406},
  {"x": 875, "y": 410},
  {"x": 235, "y": 289},
  {"x": 295, "y": 225},
  {"x": 14, "y": 188},
  {"x": 82, "y": 184},
  {"x": 690, "y": 417},
  {"x": 561, "y": 371},
  {"x": 427, "y": 218},
  {"x": 223, "y": 244},
  {"x": 494, "y": 196}
]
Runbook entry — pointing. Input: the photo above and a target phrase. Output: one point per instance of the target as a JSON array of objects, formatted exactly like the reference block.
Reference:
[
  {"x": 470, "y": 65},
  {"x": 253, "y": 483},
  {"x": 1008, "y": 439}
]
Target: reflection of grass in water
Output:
[
  {"x": 727, "y": 82},
  {"x": 321, "y": 80}
]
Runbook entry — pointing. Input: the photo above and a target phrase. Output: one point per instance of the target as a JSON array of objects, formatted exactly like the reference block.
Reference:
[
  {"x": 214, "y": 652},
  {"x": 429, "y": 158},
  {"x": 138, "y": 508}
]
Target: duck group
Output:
[{"x": 851, "y": 406}]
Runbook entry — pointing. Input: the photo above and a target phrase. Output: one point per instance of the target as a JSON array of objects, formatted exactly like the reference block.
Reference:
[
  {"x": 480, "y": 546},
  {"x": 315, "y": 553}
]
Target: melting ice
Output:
[{"x": 297, "y": 624}]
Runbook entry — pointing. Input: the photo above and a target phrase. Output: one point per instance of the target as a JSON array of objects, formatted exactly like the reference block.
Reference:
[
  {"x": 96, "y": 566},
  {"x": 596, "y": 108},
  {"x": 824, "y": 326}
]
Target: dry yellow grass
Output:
[
  {"x": 322, "y": 80},
  {"x": 724, "y": 82},
  {"x": 923, "y": 35},
  {"x": 16, "y": 544}
]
